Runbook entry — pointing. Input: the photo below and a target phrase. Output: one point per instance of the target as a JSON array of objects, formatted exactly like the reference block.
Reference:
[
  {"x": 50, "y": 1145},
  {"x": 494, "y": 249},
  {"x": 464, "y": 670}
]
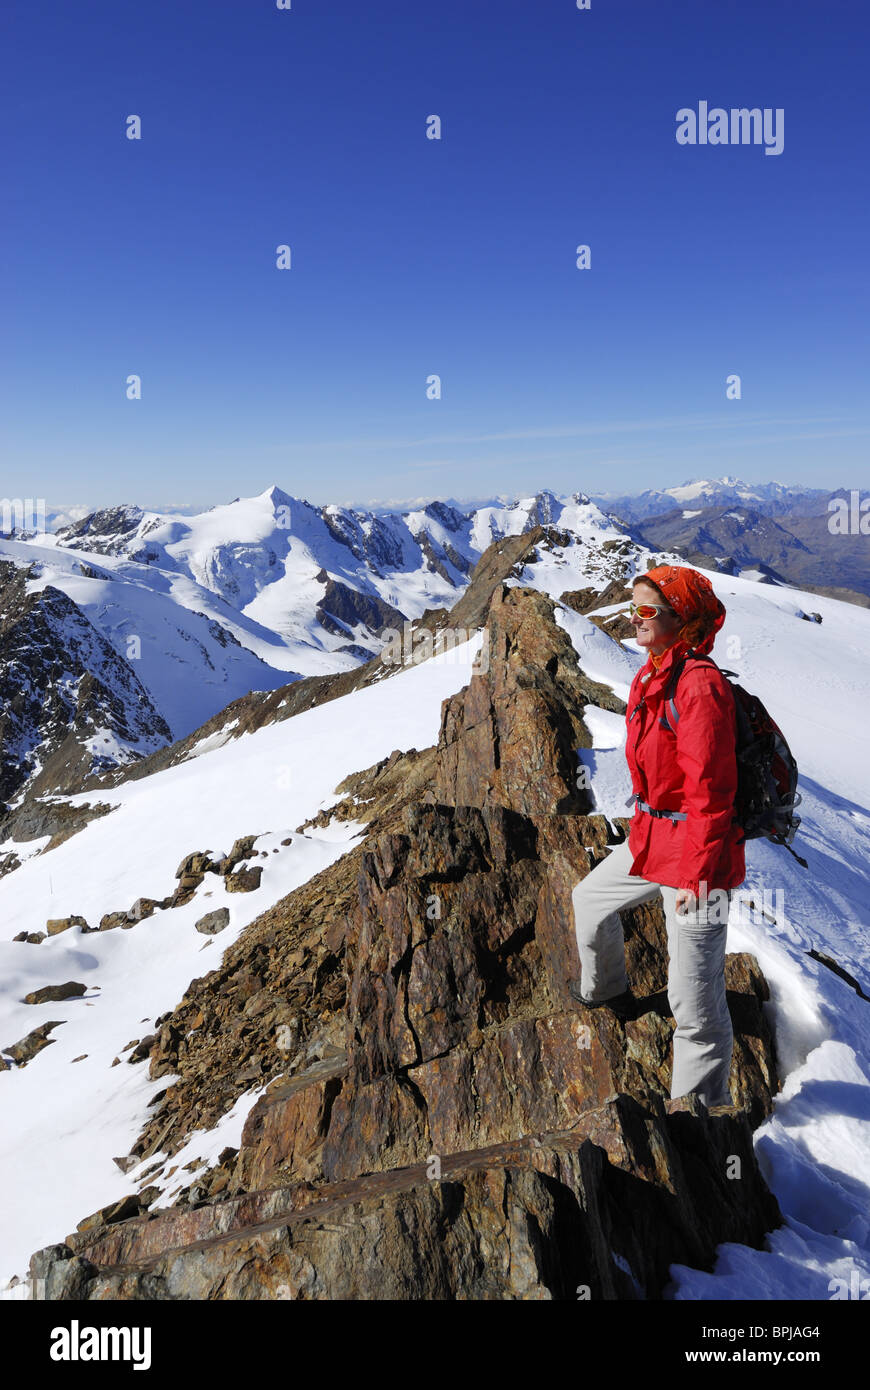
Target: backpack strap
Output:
[{"x": 669, "y": 706}]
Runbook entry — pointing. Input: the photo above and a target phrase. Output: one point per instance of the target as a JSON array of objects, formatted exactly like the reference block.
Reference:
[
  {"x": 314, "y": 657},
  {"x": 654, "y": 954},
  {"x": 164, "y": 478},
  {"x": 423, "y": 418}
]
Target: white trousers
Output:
[{"x": 703, "y": 1039}]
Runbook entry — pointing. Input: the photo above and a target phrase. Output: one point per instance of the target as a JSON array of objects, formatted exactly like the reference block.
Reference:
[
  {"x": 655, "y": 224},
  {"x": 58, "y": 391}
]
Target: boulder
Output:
[
  {"x": 242, "y": 848},
  {"x": 142, "y": 1048},
  {"x": 54, "y": 993},
  {"x": 26, "y": 1049},
  {"x": 56, "y": 925},
  {"x": 244, "y": 880},
  {"x": 110, "y": 920},
  {"x": 142, "y": 908},
  {"x": 195, "y": 863},
  {"x": 214, "y": 922},
  {"x": 115, "y": 1211}
]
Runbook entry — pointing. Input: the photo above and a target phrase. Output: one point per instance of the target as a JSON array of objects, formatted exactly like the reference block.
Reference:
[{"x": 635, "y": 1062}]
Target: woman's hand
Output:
[{"x": 685, "y": 901}]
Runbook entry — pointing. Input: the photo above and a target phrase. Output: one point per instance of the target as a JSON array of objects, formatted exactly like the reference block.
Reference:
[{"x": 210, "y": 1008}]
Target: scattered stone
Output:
[
  {"x": 26, "y": 1049},
  {"x": 22, "y": 936},
  {"x": 195, "y": 863},
  {"x": 152, "y": 1168},
  {"x": 214, "y": 922},
  {"x": 244, "y": 880},
  {"x": 81, "y": 1058},
  {"x": 55, "y": 993},
  {"x": 56, "y": 925},
  {"x": 838, "y": 970},
  {"x": 141, "y": 1050},
  {"x": 242, "y": 848},
  {"x": 142, "y": 907},
  {"x": 128, "y": 1161},
  {"x": 35, "y": 937},
  {"x": 110, "y": 920},
  {"x": 288, "y": 841},
  {"x": 115, "y": 1211}
]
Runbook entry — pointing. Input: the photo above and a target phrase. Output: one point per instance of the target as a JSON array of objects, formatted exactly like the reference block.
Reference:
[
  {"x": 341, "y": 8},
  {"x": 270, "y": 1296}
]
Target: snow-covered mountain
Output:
[
  {"x": 771, "y": 499},
  {"x": 68, "y": 1107},
  {"x": 202, "y": 609},
  {"x": 71, "y": 705}
]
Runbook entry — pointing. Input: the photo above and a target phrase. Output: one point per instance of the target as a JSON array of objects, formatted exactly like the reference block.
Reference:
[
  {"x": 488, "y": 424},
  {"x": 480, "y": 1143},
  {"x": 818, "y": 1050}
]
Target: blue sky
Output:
[{"x": 412, "y": 256}]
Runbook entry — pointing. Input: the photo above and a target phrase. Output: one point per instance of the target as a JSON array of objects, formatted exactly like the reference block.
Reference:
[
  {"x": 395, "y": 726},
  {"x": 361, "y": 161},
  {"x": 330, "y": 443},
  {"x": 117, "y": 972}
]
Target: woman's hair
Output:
[{"x": 694, "y": 630}]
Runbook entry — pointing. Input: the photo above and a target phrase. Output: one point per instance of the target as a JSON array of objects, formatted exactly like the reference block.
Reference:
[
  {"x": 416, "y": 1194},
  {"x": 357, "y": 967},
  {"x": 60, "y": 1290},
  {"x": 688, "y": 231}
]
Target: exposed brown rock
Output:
[
  {"x": 441, "y": 1120},
  {"x": 244, "y": 880},
  {"x": 586, "y": 600},
  {"x": 26, "y": 1049},
  {"x": 54, "y": 926},
  {"x": 110, "y": 920},
  {"x": 142, "y": 908},
  {"x": 510, "y": 738},
  {"x": 560, "y": 1216},
  {"x": 54, "y": 993}
]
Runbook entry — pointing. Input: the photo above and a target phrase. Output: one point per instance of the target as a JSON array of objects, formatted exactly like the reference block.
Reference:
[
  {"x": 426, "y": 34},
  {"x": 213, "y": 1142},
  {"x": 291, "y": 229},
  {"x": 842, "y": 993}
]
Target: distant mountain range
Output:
[
  {"x": 330, "y": 929},
  {"x": 130, "y": 629},
  {"x": 134, "y": 628},
  {"x": 771, "y": 499},
  {"x": 780, "y": 532}
]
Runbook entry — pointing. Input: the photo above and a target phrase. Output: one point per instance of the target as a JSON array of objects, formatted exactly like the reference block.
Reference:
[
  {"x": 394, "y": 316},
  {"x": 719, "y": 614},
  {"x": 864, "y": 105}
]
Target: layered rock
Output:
[{"x": 440, "y": 1119}]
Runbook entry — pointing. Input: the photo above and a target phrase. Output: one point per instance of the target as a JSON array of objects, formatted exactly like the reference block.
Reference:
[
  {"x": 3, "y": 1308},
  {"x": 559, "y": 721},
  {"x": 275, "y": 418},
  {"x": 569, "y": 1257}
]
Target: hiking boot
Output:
[{"x": 623, "y": 1005}]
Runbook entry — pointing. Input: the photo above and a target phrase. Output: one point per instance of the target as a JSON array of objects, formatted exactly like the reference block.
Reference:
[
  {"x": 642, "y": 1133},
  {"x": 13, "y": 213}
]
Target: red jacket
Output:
[{"x": 693, "y": 770}]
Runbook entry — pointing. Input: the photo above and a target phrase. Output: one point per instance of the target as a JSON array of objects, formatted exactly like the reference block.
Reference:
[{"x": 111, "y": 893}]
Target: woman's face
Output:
[{"x": 654, "y": 634}]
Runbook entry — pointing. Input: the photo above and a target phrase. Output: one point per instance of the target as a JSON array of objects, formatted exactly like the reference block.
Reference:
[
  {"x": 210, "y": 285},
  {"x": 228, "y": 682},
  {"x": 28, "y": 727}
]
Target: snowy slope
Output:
[
  {"x": 194, "y": 654},
  {"x": 235, "y": 599},
  {"x": 815, "y": 1149},
  {"x": 75, "y": 1116}
]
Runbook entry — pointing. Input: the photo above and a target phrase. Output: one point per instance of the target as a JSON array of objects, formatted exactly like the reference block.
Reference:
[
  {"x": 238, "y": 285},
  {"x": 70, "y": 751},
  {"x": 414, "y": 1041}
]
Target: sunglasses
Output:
[{"x": 649, "y": 610}]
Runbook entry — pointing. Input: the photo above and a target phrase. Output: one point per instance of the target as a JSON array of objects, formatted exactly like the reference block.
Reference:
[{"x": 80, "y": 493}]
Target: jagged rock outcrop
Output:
[
  {"x": 342, "y": 609},
  {"x": 440, "y": 1119}
]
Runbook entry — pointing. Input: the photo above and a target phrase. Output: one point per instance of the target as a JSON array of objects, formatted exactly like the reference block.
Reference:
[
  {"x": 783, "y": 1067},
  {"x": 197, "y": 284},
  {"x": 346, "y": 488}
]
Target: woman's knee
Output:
[{"x": 700, "y": 1006}]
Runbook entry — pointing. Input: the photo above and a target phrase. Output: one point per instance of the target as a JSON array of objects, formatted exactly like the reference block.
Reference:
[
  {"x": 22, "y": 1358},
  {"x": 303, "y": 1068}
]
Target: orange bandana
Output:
[{"x": 690, "y": 594}]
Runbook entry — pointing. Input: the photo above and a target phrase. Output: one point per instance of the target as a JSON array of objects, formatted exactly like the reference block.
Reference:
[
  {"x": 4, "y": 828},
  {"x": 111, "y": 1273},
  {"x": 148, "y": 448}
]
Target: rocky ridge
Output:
[{"x": 438, "y": 1118}]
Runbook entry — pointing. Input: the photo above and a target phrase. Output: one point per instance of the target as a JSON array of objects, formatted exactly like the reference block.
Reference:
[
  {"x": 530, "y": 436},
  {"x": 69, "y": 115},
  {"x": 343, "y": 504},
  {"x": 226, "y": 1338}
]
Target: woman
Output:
[{"x": 682, "y": 762}]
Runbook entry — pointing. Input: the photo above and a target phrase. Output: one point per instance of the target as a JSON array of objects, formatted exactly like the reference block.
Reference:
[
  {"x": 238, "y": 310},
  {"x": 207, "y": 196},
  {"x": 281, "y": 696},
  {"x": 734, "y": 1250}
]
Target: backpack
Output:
[{"x": 767, "y": 773}]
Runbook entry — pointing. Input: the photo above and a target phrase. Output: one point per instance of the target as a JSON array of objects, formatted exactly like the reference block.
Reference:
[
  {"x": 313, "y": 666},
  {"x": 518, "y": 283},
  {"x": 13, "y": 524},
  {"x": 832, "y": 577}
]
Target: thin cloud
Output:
[{"x": 575, "y": 431}]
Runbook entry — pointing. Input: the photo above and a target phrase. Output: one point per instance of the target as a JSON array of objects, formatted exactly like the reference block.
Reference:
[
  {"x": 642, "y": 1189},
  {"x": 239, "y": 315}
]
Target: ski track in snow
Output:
[{"x": 813, "y": 1150}]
